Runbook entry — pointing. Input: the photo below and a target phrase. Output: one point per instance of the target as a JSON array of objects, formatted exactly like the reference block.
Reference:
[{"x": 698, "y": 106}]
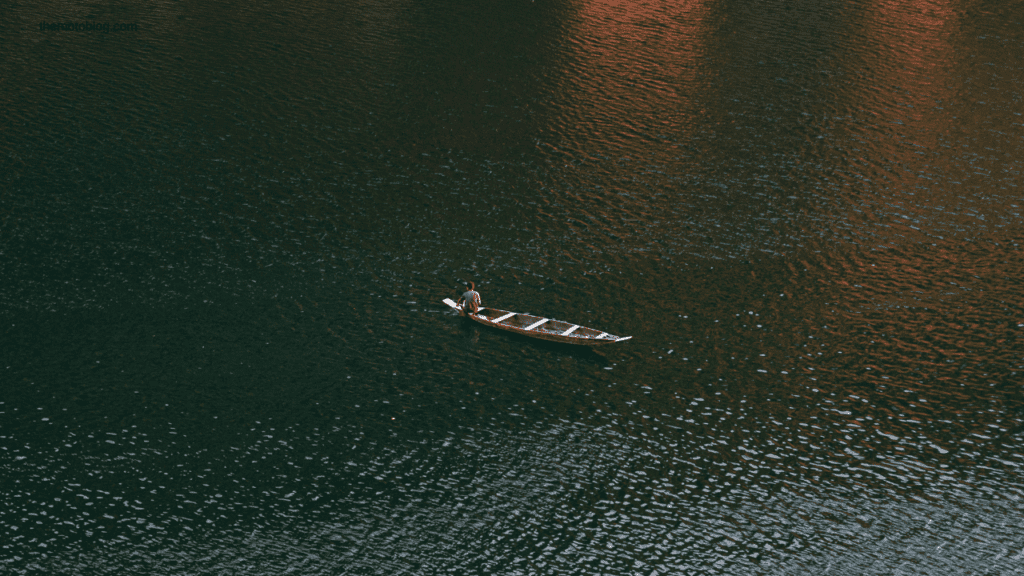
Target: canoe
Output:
[{"x": 540, "y": 327}]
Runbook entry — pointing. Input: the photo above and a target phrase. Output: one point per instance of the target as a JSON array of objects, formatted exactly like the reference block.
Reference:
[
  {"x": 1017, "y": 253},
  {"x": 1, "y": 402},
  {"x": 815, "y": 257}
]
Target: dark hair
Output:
[{"x": 470, "y": 285}]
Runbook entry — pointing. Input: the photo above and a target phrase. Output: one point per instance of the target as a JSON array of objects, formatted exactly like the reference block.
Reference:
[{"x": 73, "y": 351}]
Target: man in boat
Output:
[{"x": 472, "y": 299}]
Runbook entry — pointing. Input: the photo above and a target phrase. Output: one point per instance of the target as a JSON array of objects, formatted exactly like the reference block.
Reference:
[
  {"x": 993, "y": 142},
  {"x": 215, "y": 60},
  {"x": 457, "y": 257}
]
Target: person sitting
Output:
[{"x": 471, "y": 298}]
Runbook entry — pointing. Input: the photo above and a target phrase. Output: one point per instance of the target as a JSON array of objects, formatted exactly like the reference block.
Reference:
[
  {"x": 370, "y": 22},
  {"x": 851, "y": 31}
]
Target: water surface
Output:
[{"x": 224, "y": 241}]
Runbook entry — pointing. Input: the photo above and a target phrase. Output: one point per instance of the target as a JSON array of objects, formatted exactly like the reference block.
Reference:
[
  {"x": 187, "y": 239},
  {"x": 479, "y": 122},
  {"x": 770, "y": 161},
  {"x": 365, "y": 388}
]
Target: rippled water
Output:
[{"x": 224, "y": 239}]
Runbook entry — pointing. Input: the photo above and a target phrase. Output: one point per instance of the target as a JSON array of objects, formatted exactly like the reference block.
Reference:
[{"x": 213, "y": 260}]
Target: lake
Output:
[{"x": 226, "y": 231}]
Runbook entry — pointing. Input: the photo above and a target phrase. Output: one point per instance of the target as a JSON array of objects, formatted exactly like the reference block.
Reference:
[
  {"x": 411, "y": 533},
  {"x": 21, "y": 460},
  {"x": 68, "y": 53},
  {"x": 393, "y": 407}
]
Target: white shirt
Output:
[{"x": 472, "y": 297}]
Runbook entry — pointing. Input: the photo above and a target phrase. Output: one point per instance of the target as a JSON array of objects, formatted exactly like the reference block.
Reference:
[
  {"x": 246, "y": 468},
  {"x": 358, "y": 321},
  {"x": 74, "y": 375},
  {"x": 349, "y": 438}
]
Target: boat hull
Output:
[{"x": 539, "y": 327}]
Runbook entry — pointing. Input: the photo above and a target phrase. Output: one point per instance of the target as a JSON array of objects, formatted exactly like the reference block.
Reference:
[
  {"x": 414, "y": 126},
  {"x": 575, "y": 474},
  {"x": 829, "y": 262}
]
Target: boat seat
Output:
[
  {"x": 537, "y": 323},
  {"x": 505, "y": 317},
  {"x": 570, "y": 330}
]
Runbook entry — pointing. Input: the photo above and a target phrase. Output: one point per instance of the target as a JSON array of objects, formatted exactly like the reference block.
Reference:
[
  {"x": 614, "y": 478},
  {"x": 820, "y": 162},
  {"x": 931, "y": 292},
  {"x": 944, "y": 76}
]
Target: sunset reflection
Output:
[
  {"x": 908, "y": 64},
  {"x": 635, "y": 70}
]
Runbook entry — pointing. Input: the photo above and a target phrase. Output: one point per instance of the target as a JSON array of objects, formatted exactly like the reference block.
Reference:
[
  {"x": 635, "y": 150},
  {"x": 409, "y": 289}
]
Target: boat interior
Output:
[{"x": 526, "y": 321}]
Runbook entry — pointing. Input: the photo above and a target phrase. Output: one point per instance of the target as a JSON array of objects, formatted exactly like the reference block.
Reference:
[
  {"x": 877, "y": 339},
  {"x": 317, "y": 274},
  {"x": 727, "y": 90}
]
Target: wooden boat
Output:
[{"x": 538, "y": 327}]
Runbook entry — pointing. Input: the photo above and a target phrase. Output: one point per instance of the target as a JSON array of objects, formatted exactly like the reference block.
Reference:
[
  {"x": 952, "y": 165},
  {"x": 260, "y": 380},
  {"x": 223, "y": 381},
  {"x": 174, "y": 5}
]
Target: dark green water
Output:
[{"x": 225, "y": 237}]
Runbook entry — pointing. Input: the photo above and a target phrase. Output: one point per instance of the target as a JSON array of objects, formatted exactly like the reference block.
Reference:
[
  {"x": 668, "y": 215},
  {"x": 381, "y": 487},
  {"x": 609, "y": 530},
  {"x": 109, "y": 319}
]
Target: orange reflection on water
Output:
[
  {"x": 911, "y": 54},
  {"x": 633, "y": 66}
]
